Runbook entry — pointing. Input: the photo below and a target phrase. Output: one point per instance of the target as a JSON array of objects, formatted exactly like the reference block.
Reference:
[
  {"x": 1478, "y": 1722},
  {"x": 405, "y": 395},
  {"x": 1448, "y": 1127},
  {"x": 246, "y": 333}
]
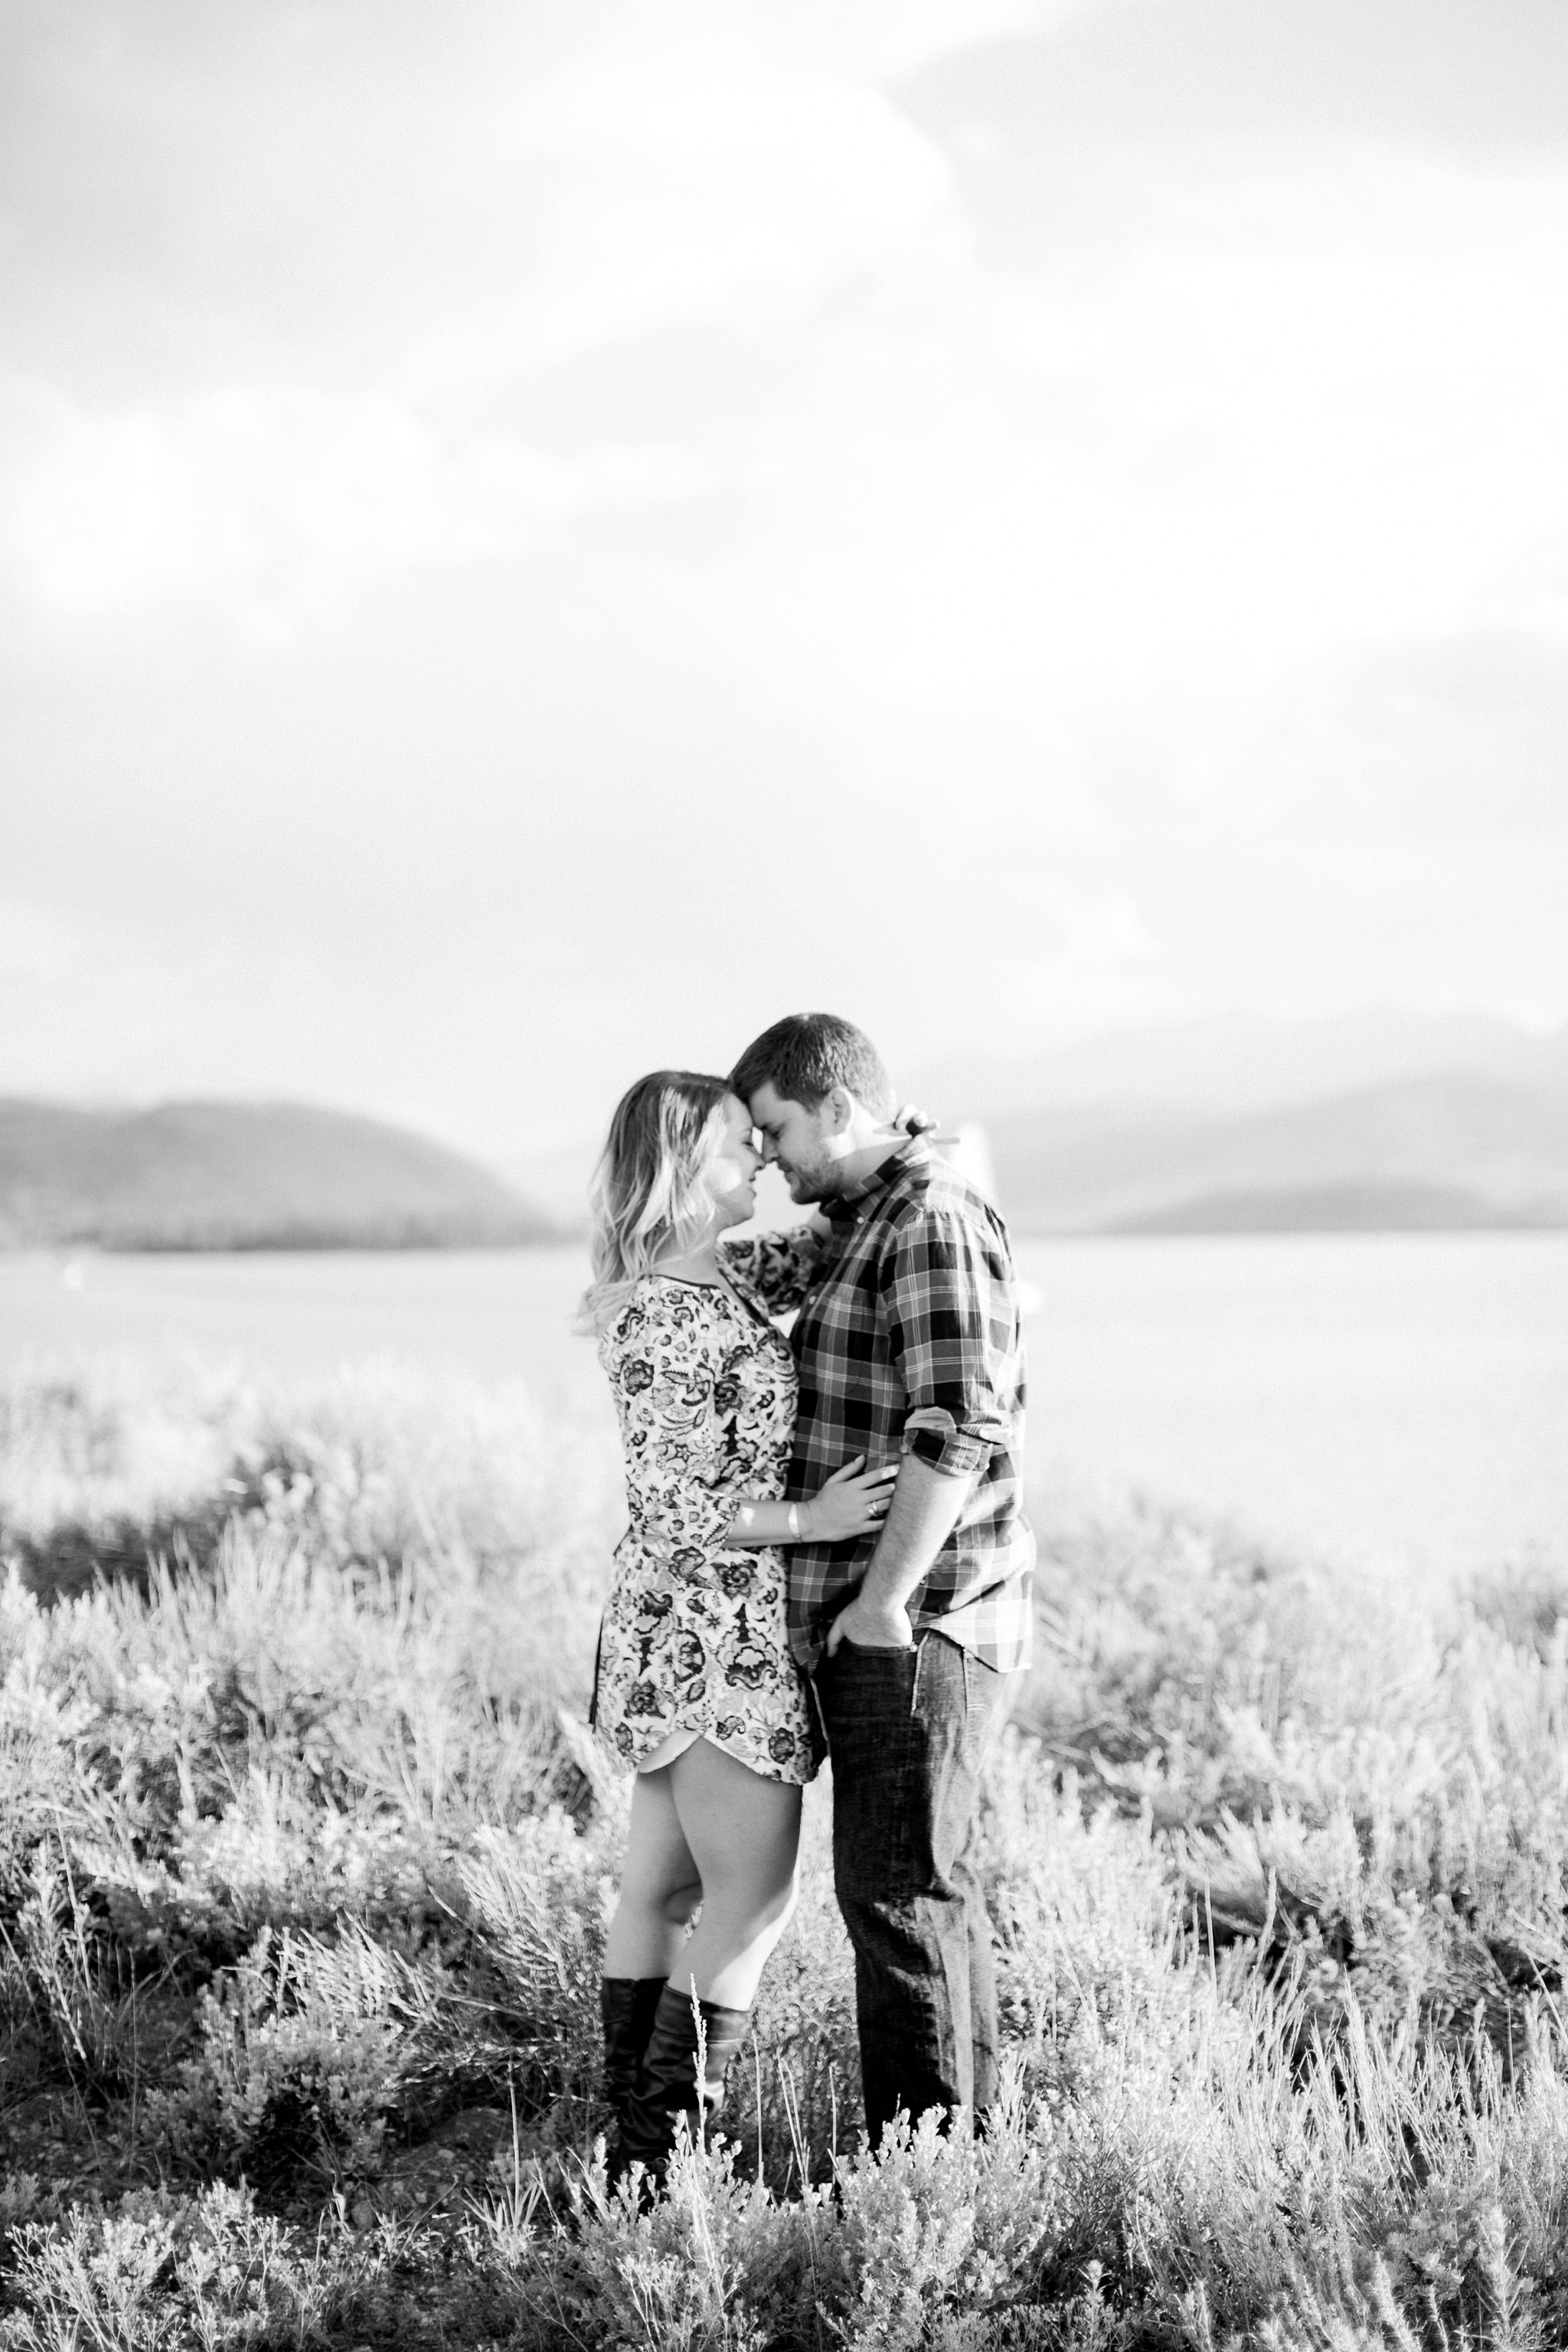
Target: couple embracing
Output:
[{"x": 826, "y": 1546}]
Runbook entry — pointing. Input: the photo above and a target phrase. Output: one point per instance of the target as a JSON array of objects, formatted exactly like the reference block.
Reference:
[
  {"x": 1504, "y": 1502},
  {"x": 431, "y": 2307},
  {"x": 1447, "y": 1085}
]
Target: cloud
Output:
[
  {"x": 879, "y": 38},
  {"x": 1000, "y": 578},
  {"x": 1278, "y": 425},
  {"x": 1444, "y": 738},
  {"x": 446, "y": 198},
  {"x": 688, "y": 190},
  {"x": 316, "y": 331},
  {"x": 284, "y": 501},
  {"x": 1302, "y": 400}
]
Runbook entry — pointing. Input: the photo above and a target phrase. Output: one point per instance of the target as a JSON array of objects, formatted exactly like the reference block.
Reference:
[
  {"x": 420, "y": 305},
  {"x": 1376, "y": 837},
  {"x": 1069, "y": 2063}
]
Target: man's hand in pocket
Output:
[{"x": 869, "y": 1627}]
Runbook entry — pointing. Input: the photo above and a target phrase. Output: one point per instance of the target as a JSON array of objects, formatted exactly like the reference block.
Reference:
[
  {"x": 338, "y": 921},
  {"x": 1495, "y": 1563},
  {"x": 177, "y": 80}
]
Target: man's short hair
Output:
[{"x": 803, "y": 1056}]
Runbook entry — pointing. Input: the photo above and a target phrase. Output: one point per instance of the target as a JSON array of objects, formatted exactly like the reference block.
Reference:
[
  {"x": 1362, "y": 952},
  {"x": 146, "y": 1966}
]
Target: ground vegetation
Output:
[{"x": 306, "y": 1857}]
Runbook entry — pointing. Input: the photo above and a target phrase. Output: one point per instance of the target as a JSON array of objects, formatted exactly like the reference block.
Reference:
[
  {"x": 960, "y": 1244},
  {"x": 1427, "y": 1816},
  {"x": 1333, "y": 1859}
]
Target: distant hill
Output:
[
  {"x": 1446, "y": 1151},
  {"x": 223, "y": 1175},
  {"x": 1238, "y": 1062},
  {"x": 1376, "y": 1120},
  {"x": 558, "y": 1179}
]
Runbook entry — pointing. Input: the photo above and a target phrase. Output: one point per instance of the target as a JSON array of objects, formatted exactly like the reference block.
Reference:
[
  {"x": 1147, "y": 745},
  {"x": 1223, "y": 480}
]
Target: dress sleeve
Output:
[
  {"x": 780, "y": 1267},
  {"x": 676, "y": 1404}
]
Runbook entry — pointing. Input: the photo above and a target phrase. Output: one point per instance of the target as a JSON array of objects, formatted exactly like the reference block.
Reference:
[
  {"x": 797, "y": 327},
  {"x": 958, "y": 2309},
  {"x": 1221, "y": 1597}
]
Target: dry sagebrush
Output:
[{"x": 305, "y": 1862}]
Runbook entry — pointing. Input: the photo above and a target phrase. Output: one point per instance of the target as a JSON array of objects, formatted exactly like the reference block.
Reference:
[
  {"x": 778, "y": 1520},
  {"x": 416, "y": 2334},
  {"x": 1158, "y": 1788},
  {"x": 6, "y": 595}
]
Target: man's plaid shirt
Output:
[{"x": 908, "y": 1341}]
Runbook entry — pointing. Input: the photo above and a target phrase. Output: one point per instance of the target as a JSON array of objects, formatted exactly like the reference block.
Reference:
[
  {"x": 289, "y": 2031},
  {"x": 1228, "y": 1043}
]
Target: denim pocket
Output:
[
  {"x": 868, "y": 1651},
  {"x": 865, "y": 1692}
]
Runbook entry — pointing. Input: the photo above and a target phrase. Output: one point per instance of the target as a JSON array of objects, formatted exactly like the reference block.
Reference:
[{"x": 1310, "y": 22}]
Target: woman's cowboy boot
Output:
[
  {"x": 670, "y": 2083},
  {"x": 626, "y": 2007}
]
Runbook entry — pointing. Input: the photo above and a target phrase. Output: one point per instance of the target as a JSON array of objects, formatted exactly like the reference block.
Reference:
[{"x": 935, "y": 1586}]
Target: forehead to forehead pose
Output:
[
  {"x": 817, "y": 1092},
  {"x": 695, "y": 1688},
  {"x": 907, "y": 1344}
]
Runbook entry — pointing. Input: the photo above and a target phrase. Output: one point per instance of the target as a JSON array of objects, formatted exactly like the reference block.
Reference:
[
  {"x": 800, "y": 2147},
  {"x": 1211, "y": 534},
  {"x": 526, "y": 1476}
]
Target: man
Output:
[{"x": 908, "y": 1348}]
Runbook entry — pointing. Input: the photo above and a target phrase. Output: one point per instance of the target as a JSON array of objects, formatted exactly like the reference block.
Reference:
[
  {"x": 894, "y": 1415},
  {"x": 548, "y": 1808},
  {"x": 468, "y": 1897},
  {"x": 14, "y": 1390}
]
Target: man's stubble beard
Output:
[{"x": 813, "y": 1183}]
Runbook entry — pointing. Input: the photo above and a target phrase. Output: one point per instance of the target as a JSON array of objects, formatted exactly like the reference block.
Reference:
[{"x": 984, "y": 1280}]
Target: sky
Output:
[{"x": 536, "y": 538}]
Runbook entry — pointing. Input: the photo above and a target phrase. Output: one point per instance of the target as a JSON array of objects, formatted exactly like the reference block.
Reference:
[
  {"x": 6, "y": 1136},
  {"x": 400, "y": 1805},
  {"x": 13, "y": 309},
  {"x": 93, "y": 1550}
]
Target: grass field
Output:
[{"x": 305, "y": 1860}]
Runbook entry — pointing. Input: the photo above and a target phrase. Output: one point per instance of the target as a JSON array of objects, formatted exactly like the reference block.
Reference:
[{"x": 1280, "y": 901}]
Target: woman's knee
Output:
[
  {"x": 753, "y": 1907},
  {"x": 659, "y": 1885},
  {"x": 785, "y": 1895},
  {"x": 679, "y": 1904}
]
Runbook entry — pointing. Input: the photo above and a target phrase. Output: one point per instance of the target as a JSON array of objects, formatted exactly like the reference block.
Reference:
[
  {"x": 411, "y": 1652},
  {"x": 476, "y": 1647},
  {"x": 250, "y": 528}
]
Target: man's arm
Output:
[
  {"x": 923, "y": 1513},
  {"x": 935, "y": 1283}
]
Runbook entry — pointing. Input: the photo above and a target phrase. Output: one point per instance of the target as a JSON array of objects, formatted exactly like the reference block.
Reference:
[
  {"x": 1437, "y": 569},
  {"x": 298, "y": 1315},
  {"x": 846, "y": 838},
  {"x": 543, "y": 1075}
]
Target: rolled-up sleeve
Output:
[{"x": 948, "y": 1331}]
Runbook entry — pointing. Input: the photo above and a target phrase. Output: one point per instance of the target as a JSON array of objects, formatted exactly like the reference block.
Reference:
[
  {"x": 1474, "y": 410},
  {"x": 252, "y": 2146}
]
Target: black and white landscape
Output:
[
  {"x": 241, "y": 1176},
  {"x": 1377, "y": 1122}
]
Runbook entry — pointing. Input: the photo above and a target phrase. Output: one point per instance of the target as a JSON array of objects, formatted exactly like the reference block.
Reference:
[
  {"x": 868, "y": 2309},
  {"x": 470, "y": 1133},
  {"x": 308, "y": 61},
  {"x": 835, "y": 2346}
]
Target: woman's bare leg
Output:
[
  {"x": 741, "y": 1833},
  {"x": 660, "y": 1884}
]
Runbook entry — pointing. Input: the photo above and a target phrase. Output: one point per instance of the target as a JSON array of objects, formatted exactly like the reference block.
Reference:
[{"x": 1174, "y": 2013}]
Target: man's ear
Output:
[{"x": 840, "y": 1104}]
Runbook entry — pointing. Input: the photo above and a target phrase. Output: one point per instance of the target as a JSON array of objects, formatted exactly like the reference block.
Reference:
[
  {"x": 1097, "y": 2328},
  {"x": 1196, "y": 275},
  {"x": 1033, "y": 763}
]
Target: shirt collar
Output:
[{"x": 846, "y": 1205}]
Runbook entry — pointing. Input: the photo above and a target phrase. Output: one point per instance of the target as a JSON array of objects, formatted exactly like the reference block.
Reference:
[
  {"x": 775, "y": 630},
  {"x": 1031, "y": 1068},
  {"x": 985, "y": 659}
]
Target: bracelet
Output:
[{"x": 792, "y": 1521}]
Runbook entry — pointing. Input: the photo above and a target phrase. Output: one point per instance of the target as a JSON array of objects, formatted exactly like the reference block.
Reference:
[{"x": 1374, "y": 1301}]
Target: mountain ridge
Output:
[
  {"x": 208, "y": 1174},
  {"x": 1241, "y": 1062},
  {"x": 1446, "y": 1150}
]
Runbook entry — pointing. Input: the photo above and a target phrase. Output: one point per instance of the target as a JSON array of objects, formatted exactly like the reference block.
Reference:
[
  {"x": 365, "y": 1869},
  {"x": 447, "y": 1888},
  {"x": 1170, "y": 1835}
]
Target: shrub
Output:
[
  {"x": 168, "y": 2271},
  {"x": 1279, "y": 1917},
  {"x": 306, "y": 2050}
]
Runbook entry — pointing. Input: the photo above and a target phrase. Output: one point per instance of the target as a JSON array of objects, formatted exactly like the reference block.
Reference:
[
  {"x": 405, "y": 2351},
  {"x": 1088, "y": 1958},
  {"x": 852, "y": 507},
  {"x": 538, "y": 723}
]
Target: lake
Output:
[{"x": 1398, "y": 1401}]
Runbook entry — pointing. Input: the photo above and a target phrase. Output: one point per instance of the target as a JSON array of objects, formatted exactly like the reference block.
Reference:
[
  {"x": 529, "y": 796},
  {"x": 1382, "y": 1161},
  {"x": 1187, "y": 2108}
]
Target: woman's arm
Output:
[
  {"x": 780, "y": 1267},
  {"x": 756, "y": 1524},
  {"x": 853, "y": 1502},
  {"x": 682, "y": 1477}
]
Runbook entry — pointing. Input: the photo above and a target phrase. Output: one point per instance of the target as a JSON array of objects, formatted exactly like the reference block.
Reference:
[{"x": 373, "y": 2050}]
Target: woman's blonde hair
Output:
[{"x": 647, "y": 1200}]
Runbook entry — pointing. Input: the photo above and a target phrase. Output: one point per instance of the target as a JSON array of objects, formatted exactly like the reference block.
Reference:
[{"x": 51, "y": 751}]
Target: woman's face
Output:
[{"x": 732, "y": 1176}]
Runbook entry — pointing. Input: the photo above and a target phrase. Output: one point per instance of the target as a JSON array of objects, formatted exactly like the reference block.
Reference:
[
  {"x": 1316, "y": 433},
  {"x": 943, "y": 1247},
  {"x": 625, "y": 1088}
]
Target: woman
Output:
[{"x": 694, "y": 1684}]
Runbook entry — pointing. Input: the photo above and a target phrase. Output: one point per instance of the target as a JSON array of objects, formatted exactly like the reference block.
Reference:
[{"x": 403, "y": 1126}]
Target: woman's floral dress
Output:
[{"x": 693, "y": 1634}]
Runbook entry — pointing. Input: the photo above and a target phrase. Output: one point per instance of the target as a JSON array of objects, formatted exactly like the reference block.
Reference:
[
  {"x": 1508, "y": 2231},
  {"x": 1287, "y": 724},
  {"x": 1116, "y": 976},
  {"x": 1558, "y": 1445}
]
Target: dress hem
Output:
[{"x": 765, "y": 1766}]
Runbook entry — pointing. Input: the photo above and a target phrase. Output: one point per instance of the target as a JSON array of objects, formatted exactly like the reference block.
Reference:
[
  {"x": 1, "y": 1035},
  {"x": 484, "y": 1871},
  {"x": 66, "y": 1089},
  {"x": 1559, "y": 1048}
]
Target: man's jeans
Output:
[{"x": 908, "y": 1729}]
